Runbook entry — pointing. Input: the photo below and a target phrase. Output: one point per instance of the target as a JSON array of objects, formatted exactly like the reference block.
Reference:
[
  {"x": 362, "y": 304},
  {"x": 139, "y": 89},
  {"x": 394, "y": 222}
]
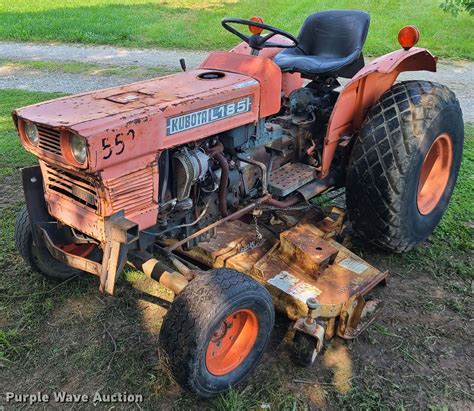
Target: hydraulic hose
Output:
[{"x": 217, "y": 152}]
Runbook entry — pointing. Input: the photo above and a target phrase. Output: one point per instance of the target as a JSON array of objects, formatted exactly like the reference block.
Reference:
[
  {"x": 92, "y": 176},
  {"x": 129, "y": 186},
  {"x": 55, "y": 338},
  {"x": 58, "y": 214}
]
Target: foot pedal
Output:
[{"x": 289, "y": 178}]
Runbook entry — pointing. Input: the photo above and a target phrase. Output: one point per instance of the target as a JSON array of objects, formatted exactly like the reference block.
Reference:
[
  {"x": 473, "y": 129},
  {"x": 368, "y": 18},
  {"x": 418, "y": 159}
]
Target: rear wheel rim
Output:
[
  {"x": 232, "y": 342},
  {"x": 435, "y": 173}
]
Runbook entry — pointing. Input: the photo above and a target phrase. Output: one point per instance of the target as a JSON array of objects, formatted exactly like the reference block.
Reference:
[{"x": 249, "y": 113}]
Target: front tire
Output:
[
  {"x": 404, "y": 165},
  {"x": 37, "y": 256},
  {"x": 216, "y": 331}
]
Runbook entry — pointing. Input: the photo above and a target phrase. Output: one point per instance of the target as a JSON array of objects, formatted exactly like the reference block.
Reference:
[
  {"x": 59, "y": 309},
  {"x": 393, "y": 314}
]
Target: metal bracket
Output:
[
  {"x": 310, "y": 326},
  {"x": 357, "y": 316},
  {"x": 314, "y": 329},
  {"x": 119, "y": 233},
  {"x": 32, "y": 180},
  {"x": 71, "y": 260}
]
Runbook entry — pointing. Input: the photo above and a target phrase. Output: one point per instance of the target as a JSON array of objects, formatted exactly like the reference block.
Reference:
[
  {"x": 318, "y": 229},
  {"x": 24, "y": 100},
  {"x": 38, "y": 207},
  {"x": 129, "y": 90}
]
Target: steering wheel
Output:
[{"x": 256, "y": 41}]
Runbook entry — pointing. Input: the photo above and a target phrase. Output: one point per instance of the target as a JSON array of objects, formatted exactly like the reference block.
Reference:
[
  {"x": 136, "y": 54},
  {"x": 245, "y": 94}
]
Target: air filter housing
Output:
[{"x": 189, "y": 166}]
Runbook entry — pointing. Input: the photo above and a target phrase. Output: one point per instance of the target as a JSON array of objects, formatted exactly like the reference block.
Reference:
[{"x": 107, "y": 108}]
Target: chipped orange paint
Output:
[
  {"x": 140, "y": 123},
  {"x": 297, "y": 251},
  {"x": 262, "y": 69},
  {"x": 364, "y": 90},
  {"x": 126, "y": 129}
]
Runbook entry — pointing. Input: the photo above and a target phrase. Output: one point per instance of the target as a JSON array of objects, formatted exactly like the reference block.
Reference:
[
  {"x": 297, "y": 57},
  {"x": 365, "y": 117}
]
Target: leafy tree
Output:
[{"x": 457, "y": 6}]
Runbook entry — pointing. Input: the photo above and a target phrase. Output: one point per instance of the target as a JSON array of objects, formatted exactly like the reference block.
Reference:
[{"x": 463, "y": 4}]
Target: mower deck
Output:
[{"x": 295, "y": 264}]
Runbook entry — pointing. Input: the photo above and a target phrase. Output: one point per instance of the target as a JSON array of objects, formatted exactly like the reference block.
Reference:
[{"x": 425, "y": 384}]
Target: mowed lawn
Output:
[{"x": 195, "y": 24}]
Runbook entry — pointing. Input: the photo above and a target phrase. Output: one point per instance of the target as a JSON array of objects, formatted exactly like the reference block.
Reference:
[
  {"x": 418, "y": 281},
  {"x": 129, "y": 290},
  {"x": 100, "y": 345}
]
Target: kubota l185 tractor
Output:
[{"x": 205, "y": 180}]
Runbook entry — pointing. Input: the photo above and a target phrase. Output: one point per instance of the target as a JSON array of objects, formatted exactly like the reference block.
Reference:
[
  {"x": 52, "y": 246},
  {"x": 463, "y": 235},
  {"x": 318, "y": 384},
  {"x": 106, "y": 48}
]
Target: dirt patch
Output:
[
  {"x": 104, "y": 55},
  {"x": 337, "y": 358},
  {"x": 420, "y": 343},
  {"x": 70, "y": 83}
]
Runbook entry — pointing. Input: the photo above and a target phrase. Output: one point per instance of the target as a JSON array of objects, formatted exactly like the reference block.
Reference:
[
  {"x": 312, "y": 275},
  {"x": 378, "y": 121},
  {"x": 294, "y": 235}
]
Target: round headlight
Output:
[
  {"x": 78, "y": 148},
  {"x": 31, "y": 132}
]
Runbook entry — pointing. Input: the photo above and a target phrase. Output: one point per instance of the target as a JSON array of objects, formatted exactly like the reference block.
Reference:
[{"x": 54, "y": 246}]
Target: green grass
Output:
[
  {"x": 67, "y": 336},
  {"x": 129, "y": 71},
  {"x": 195, "y": 24},
  {"x": 12, "y": 155}
]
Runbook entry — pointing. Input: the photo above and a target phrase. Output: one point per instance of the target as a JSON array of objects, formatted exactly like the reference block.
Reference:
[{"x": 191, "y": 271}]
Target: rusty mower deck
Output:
[{"x": 310, "y": 275}]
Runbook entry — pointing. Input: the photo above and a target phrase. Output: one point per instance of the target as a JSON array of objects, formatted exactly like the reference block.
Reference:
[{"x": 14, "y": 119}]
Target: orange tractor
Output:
[{"x": 215, "y": 170}]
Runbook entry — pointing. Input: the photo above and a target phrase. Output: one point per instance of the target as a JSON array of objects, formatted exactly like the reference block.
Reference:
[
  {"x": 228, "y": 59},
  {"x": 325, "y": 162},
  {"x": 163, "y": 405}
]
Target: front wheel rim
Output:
[
  {"x": 434, "y": 175},
  {"x": 232, "y": 342},
  {"x": 80, "y": 250}
]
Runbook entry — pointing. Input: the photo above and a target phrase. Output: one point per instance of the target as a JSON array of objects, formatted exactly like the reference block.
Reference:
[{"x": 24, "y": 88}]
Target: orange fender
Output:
[{"x": 364, "y": 90}]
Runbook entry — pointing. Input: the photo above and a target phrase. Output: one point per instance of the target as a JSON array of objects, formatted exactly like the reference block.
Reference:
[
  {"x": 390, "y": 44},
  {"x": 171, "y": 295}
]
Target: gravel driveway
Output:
[
  {"x": 459, "y": 76},
  {"x": 100, "y": 54}
]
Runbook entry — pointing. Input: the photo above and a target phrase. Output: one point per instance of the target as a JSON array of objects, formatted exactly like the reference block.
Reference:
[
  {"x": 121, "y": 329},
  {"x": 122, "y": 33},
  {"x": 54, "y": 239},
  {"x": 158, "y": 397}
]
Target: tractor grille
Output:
[
  {"x": 132, "y": 192},
  {"x": 49, "y": 140},
  {"x": 70, "y": 185}
]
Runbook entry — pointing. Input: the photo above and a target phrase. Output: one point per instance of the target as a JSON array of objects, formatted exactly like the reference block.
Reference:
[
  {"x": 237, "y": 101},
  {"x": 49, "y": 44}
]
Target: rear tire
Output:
[
  {"x": 216, "y": 331},
  {"x": 37, "y": 256},
  {"x": 390, "y": 202}
]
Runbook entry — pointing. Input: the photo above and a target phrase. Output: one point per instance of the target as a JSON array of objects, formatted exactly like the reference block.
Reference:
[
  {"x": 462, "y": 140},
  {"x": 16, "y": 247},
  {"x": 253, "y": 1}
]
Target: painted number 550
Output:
[{"x": 117, "y": 146}]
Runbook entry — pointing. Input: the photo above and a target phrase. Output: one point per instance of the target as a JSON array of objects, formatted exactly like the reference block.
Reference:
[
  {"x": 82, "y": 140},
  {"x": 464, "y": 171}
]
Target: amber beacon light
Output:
[
  {"x": 255, "y": 29},
  {"x": 408, "y": 36}
]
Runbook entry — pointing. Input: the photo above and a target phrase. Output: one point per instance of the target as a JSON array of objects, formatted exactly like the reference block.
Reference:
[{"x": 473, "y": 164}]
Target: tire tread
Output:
[
  {"x": 193, "y": 309},
  {"x": 381, "y": 159}
]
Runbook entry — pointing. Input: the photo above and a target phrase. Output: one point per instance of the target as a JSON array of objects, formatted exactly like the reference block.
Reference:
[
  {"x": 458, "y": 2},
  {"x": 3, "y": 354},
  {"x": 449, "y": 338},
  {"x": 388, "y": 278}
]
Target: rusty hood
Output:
[
  {"x": 139, "y": 114},
  {"x": 159, "y": 94}
]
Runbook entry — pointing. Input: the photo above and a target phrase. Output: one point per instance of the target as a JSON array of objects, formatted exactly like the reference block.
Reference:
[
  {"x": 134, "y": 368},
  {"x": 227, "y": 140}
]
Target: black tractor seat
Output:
[{"x": 330, "y": 43}]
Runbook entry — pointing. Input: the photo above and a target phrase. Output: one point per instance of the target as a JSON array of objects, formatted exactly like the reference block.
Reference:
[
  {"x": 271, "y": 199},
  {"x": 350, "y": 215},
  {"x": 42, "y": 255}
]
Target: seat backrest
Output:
[{"x": 334, "y": 33}]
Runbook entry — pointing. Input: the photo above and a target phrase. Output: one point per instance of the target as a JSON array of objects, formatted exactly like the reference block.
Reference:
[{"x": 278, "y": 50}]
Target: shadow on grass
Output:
[{"x": 196, "y": 24}]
